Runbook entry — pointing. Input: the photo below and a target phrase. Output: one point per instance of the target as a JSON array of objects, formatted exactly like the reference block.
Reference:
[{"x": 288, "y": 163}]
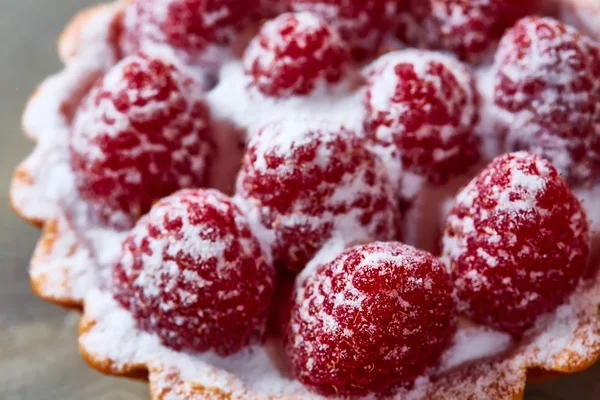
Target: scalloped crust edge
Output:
[{"x": 167, "y": 383}]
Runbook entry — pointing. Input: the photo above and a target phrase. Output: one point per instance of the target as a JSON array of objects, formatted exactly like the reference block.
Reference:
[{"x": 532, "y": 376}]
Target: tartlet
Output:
[{"x": 72, "y": 263}]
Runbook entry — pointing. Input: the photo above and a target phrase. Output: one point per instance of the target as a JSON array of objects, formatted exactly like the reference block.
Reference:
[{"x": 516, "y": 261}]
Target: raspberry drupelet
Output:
[
  {"x": 517, "y": 241},
  {"x": 192, "y": 272},
  {"x": 362, "y": 24},
  {"x": 375, "y": 317},
  {"x": 547, "y": 95},
  {"x": 423, "y": 106},
  {"x": 308, "y": 183},
  {"x": 190, "y": 27},
  {"x": 296, "y": 54},
  {"x": 142, "y": 133},
  {"x": 467, "y": 28}
]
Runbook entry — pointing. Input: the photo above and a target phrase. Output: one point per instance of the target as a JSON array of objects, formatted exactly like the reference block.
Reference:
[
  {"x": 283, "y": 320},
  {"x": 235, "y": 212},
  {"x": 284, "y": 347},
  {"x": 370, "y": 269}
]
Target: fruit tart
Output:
[{"x": 322, "y": 198}]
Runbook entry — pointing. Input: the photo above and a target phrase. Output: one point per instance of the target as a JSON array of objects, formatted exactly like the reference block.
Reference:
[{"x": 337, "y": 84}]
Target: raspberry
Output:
[
  {"x": 192, "y": 272},
  {"x": 468, "y": 28},
  {"x": 517, "y": 242},
  {"x": 188, "y": 26},
  {"x": 142, "y": 133},
  {"x": 425, "y": 106},
  {"x": 295, "y": 54},
  {"x": 362, "y": 24},
  {"x": 375, "y": 317},
  {"x": 547, "y": 92},
  {"x": 306, "y": 184}
]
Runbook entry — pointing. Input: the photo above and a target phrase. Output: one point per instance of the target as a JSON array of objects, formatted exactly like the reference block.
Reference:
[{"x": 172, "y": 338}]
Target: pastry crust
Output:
[{"x": 58, "y": 251}]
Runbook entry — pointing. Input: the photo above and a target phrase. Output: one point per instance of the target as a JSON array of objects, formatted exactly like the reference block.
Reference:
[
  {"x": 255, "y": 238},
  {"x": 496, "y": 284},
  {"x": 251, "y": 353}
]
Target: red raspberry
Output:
[
  {"x": 308, "y": 184},
  {"x": 547, "y": 93},
  {"x": 468, "y": 28},
  {"x": 188, "y": 26},
  {"x": 361, "y": 23},
  {"x": 192, "y": 272},
  {"x": 142, "y": 133},
  {"x": 295, "y": 54},
  {"x": 425, "y": 106},
  {"x": 375, "y": 317},
  {"x": 517, "y": 241}
]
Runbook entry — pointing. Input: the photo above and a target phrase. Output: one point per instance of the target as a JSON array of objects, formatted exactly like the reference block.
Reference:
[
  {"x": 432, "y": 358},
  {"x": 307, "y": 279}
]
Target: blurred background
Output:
[{"x": 39, "y": 359}]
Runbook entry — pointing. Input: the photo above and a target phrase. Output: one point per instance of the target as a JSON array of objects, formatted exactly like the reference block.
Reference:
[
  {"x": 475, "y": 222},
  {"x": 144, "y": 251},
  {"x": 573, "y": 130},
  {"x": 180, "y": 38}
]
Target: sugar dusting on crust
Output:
[{"x": 565, "y": 340}]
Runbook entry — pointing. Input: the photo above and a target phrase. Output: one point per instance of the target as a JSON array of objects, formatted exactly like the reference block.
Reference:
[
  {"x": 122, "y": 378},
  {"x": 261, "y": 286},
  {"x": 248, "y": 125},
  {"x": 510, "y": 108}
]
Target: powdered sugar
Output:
[
  {"x": 474, "y": 343},
  {"x": 250, "y": 111},
  {"x": 79, "y": 258}
]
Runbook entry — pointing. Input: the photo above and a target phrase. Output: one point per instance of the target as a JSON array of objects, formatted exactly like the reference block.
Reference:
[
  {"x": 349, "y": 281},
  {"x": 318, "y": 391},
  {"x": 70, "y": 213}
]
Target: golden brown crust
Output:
[{"x": 41, "y": 285}]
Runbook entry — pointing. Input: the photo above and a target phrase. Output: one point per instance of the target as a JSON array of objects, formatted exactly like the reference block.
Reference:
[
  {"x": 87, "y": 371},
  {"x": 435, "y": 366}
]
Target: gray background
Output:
[{"x": 38, "y": 350}]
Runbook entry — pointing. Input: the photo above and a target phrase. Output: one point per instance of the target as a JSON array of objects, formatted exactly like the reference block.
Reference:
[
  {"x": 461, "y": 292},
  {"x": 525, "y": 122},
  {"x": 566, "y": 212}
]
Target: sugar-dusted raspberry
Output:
[
  {"x": 308, "y": 183},
  {"x": 517, "y": 242},
  {"x": 192, "y": 272},
  {"x": 375, "y": 317},
  {"x": 425, "y": 106},
  {"x": 188, "y": 26},
  {"x": 142, "y": 133},
  {"x": 468, "y": 28},
  {"x": 294, "y": 54},
  {"x": 547, "y": 92},
  {"x": 362, "y": 24}
]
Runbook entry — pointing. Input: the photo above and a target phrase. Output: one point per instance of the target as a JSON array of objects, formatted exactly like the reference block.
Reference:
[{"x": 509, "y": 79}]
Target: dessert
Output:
[{"x": 285, "y": 276}]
